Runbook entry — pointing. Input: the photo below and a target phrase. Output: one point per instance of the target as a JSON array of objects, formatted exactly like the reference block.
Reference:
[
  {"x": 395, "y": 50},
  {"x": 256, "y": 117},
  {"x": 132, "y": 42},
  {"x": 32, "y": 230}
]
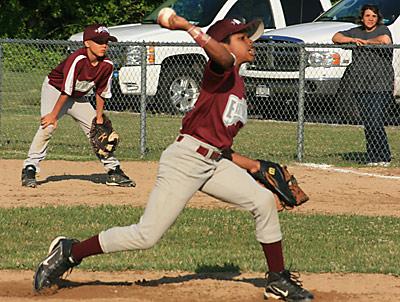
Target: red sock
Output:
[
  {"x": 86, "y": 248},
  {"x": 274, "y": 254}
]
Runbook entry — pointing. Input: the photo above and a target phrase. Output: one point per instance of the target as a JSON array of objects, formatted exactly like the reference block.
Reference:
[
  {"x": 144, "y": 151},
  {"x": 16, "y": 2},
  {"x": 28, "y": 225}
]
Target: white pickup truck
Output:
[
  {"x": 174, "y": 71},
  {"x": 276, "y": 85}
]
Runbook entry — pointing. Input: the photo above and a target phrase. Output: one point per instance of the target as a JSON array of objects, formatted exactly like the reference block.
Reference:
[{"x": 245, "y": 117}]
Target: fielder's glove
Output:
[
  {"x": 103, "y": 138},
  {"x": 278, "y": 179}
]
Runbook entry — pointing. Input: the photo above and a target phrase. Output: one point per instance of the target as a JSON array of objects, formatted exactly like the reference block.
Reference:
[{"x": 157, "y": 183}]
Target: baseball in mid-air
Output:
[{"x": 164, "y": 15}]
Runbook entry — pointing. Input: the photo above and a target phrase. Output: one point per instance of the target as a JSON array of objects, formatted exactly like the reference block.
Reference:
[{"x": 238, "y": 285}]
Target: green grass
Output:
[
  {"x": 277, "y": 141},
  {"x": 207, "y": 240}
]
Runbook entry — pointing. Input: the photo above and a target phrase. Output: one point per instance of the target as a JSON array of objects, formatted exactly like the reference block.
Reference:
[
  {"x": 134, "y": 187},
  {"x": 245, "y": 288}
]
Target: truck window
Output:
[
  {"x": 199, "y": 12},
  {"x": 247, "y": 10},
  {"x": 348, "y": 10},
  {"x": 301, "y": 11}
]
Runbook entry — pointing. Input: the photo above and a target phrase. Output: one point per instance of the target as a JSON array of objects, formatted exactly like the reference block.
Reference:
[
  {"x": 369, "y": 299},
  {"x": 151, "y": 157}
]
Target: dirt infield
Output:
[
  {"x": 372, "y": 191},
  {"x": 181, "y": 286}
]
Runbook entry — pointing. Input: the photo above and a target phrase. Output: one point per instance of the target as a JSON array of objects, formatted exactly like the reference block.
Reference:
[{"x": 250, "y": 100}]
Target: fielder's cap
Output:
[
  {"x": 226, "y": 27},
  {"x": 98, "y": 33}
]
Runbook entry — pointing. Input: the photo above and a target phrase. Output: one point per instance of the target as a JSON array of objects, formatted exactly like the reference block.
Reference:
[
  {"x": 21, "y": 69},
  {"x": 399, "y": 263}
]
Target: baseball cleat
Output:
[
  {"x": 28, "y": 177},
  {"x": 117, "y": 177},
  {"x": 58, "y": 261},
  {"x": 287, "y": 287}
]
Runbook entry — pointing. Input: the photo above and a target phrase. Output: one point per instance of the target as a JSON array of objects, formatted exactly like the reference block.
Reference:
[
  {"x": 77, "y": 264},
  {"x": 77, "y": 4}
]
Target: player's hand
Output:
[
  {"x": 99, "y": 120},
  {"x": 168, "y": 18},
  {"x": 47, "y": 120},
  {"x": 178, "y": 22}
]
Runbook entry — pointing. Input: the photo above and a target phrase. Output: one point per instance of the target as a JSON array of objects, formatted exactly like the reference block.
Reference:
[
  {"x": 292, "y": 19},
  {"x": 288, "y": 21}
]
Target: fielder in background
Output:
[
  {"x": 200, "y": 158},
  {"x": 63, "y": 92}
]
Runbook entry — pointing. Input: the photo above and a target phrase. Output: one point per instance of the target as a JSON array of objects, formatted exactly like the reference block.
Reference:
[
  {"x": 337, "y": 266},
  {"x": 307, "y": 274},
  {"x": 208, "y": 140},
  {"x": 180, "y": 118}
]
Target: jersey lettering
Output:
[
  {"x": 235, "y": 111},
  {"x": 84, "y": 86}
]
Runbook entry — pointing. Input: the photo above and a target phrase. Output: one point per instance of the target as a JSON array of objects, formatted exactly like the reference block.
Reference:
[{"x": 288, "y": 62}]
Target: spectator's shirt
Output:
[
  {"x": 371, "y": 68},
  {"x": 76, "y": 76},
  {"x": 221, "y": 109}
]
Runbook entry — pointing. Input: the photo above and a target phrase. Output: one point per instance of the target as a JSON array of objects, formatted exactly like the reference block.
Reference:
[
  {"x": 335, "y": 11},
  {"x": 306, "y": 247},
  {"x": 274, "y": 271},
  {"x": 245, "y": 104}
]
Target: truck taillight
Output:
[
  {"x": 151, "y": 56},
  {"x": 335, "y": 59}
]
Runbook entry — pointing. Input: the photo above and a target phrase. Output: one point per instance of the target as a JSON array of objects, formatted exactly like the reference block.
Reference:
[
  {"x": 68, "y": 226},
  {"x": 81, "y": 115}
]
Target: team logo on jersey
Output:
[{"x": 235, "y": 111}]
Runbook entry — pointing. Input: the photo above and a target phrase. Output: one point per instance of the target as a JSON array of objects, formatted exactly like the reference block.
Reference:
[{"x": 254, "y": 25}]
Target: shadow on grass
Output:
[
  {"x": 228, "y": 272},
  {"x": 95, "y": 178},
  {"x": 353, "y": 157}
]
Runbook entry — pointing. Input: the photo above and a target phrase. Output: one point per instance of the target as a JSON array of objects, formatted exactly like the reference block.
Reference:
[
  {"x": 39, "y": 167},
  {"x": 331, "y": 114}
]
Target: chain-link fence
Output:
[{"x": 305, "y": 102}]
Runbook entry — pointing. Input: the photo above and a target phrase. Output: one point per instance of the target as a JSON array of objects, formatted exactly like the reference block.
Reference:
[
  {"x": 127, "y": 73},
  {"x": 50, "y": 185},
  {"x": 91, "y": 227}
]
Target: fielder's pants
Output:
[
  {"x": 79, "y": 109},
  {"x": 182, "y": 172}
]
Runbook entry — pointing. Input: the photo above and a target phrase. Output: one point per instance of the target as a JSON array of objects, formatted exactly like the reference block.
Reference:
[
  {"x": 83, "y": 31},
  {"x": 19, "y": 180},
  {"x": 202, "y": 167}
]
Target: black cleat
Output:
[
  {"x": 28, "y": 177},
  {"x": 58, "y": 261},
  {"x": 286, "y": 286},
  {"x": 117, "y": 177}
]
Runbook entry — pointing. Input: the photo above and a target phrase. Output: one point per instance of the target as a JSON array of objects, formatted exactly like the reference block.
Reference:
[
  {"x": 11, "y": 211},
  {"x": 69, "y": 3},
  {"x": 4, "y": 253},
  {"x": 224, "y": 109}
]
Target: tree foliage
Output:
[{"x": 58, "y": 19}]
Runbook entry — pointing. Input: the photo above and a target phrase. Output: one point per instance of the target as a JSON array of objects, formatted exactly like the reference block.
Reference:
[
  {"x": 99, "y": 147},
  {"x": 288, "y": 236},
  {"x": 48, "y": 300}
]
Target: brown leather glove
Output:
[
  {"x": 103, "y": 138},
  {"x": 282, "y": 183}
]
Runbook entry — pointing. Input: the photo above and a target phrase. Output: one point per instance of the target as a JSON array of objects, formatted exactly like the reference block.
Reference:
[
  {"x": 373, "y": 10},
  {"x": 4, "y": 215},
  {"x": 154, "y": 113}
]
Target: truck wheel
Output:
[{"x": 179, "y": 89}]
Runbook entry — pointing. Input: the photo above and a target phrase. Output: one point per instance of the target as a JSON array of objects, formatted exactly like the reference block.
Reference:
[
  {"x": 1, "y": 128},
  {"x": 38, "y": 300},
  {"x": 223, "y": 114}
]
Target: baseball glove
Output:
[
  {"x": 103, "y": 138},
  {"x": 278, "y": 179}
]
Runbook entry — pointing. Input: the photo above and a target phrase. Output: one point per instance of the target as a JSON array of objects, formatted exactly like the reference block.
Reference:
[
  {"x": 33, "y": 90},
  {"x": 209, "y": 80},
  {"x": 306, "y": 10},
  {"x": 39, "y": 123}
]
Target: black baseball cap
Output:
[
  {"x": 98, "y": 33},
  {"x": 226, "y": 27}
]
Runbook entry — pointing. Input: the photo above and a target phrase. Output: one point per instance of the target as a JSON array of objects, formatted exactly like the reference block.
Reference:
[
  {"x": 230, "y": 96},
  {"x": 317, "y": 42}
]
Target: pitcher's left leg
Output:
[{"x": 234, "y": 185}]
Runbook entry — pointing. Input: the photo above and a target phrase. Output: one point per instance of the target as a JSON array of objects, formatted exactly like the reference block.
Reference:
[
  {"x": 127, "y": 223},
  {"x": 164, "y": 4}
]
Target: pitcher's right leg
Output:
[{"x": 180, "y": 175}]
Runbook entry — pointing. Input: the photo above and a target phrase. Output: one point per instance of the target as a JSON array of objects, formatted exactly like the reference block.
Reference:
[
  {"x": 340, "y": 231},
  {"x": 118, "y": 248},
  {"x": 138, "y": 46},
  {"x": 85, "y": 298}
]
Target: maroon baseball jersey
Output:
[
  {"x": 221, "y": 109},
  {"x": 76, "y": 76}
]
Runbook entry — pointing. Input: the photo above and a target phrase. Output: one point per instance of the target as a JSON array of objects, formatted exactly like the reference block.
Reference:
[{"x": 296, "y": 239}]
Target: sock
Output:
[
  {"x": 86, "y": 248},
  {"x": 274, "y": 254}
]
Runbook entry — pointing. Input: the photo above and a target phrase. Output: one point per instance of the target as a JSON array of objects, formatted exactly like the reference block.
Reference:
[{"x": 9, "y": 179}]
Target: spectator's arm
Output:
[
  {"x": 383, "y": 39},
  {"x": 340, "y": 38}
]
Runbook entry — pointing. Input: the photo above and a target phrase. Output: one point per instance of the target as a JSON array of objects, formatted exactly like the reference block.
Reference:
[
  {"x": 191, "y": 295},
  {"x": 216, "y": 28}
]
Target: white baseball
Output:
[{"x": 164, "y": 15}]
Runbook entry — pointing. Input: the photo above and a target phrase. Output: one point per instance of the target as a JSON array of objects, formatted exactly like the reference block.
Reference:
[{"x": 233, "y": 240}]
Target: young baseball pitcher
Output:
[
  {"x": 63, "y": 92},
  {"x": 200, "y": 158}
]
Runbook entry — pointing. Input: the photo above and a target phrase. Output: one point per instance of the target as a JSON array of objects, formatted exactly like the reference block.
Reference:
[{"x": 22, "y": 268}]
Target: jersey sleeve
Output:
[
  {"x": 103, "y": 87},
  {"x": 384, "y": 30},
  {"x": 70, "y": 71},
  {"x": 213, "y": 80}
]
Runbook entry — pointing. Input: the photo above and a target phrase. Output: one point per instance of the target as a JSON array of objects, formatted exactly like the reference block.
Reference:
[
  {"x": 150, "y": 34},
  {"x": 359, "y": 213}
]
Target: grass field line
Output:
[{"x": 343, "y": 170}]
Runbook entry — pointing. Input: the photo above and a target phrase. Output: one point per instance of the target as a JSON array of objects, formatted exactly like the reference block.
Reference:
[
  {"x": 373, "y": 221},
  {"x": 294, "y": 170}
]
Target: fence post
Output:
[
  {"x": 300, "y": 125},
  {"x": 1, "y": 86},
  {"x": 143, "y": 87}
]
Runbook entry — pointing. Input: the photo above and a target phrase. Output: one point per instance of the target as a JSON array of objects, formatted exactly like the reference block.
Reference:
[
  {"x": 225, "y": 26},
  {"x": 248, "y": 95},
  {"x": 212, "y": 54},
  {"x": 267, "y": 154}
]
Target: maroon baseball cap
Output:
[
  {"x": 98, "y": 33},
  {"x": 226, "y": 27}
]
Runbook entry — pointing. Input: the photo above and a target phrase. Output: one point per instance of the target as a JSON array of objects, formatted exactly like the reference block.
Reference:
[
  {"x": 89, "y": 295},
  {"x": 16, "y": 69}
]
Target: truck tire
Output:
[{"x": 179, "y": 88}]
